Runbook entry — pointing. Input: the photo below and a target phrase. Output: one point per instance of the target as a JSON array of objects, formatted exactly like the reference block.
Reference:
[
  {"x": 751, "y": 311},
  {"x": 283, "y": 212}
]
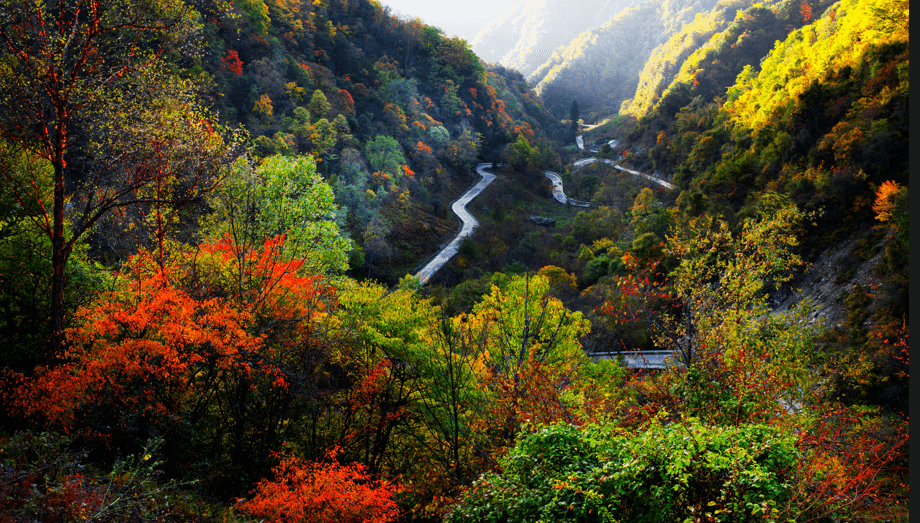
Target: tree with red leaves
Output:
[
  {"x": 233, "y": 343},
  {"x": 233, "y": 63},
  {"x": 135, "y": 349},
  {"x": 331, "y": 492},
  {"x": 805, "y": 11}
]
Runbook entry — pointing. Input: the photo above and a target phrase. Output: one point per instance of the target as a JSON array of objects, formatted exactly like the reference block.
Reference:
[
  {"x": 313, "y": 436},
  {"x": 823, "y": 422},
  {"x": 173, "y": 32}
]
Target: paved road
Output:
[
  {"x": 559, "y": 194},
  {"x": 469, "y": 225},
  {"x": 650, "y": 359},
  {"x": 659, "y": 181}
]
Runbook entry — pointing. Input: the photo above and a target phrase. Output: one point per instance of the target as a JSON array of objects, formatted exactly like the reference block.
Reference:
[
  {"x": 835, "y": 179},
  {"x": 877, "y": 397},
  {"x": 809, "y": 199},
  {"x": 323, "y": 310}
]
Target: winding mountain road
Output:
[
  {"x": 632, "y": 359},
  {"x": 559, "y": 194},
  {"x": 659, "y": 181},
  {"x": 469, "y": 225}
]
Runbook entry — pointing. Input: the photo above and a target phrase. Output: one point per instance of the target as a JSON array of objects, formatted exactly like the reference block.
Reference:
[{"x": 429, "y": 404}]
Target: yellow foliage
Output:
[
  {"x": 263, "y": 106},
  {"x": 829, "y": 43}
]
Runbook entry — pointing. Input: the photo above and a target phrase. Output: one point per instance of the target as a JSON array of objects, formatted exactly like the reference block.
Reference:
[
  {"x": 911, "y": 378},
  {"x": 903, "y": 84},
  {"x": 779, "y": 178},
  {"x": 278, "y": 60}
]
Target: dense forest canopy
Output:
[{"x": 210, "y": 213}]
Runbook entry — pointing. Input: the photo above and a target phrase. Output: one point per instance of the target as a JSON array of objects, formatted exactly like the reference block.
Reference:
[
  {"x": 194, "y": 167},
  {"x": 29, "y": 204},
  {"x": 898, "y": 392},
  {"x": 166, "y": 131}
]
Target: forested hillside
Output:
[
  {"x": 210, "y": 211},
  {"x": 723, "y": 36},
  {"x": 526, "y": 36},
  {"x": 600, "y": 68}
]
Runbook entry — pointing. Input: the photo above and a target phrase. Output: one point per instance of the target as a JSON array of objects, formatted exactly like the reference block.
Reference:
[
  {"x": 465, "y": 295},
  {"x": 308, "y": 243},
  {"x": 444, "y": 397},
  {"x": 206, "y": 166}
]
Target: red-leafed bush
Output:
[
  {"x": 233, "y": 63},
  {"x": 322, "y": 492}
]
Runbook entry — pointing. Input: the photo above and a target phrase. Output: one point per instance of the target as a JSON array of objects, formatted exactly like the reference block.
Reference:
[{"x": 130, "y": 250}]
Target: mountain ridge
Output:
[{"x": 525, "y": 36}]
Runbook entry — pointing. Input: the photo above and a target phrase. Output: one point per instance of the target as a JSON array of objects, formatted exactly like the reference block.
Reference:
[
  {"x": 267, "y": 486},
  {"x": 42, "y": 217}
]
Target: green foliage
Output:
[
  {"x": 385, "y": 155},
  {"x": 318, "y": 105},
  {"x": 660, "y": 473},
  {"x": 282, "y": 196},
  {"x": 464, "y": 151},
  {"x": 596, "y": 269},
  {"x": 410, "y": 283},
  {"x": 340, "y": 76},
  {"x": 257, "y": 12},
  {"x": 529, "y": 320},
  {"x": 742, "y": 363},
  {"x": 375, "y": 243},
  {"x": 521, "y": 154},
  {"x": 819, "y": 120},
  {"x": 438, "y": 136},
  {"x": 25, "y": 263},
  {"x": 595, "y": 224}
]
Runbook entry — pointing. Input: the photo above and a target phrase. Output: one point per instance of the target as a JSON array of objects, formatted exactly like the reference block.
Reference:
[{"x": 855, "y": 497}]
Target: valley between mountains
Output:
[{"x": 233, "y": 285}]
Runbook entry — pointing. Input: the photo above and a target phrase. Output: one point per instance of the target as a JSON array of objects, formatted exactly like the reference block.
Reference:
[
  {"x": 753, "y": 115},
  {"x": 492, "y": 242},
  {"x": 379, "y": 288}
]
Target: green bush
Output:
[
  {"x": 664, "y": 473},
  {"x": 596, "y": 269}
]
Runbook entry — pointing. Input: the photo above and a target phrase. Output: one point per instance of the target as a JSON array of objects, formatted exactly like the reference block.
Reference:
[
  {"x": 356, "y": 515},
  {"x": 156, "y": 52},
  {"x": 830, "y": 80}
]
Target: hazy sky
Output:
[{"x": 456, "y": 18}]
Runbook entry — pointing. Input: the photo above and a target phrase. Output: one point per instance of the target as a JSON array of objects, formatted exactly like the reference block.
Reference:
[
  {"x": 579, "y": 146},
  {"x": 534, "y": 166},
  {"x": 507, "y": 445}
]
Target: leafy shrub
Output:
[
  {"x": 665, "y": 473},
  {"x": 322, "y": 492},
  {"x": 596, "y": 269}
]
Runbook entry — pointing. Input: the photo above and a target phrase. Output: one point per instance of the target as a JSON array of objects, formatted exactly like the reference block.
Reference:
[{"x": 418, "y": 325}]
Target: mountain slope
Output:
[
  {"x": 821, "y": 121},
  {"x": 602, "y": 66},
  {"x": 396, "y": 112},
  {"x": 526, "y": 36},
  {"x": 670, "y": 57}
]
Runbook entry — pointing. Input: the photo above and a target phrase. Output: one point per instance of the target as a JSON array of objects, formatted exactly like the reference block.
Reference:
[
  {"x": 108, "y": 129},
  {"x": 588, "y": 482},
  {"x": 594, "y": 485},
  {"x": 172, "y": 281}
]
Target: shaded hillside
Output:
[
  {"x": 601, "y": 67},
  {"x": 526, "y": 36}
]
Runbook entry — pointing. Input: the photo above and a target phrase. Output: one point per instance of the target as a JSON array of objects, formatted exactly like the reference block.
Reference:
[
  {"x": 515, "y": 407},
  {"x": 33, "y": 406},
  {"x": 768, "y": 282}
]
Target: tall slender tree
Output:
[
  {"x": 574, "y": 116},
  {"x": 83, "y": 88}
]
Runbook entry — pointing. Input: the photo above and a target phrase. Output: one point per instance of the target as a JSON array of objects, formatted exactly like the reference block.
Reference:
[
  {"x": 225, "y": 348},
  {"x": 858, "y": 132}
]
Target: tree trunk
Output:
[{"x": 59, "y": 250}]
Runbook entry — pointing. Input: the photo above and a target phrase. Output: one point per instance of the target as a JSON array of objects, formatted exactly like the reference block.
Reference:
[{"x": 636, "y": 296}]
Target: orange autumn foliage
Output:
[
  {"x": 885, "y": 199},
  {"x": 849, "y": 463},
  {"x": 287, "y": 305},
  {"x": 263, "y": 278},
  {"x": 141, "y": 346},
  {"x": 347, "y": 100},
  {"x": 806, "y": 12},
  {"x": 421, "y": 148},
  {"x": 532, "y": 396},
  {"x": 136, "y": 347},
  {"x": 322, "y": 493}
]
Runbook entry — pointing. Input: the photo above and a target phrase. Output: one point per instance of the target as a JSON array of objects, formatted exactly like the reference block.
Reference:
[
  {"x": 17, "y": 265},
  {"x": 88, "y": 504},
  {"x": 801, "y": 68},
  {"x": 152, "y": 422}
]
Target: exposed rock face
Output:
[
  {"x": 544, "y": 221},
  {"x": 832, "y": 277}
]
